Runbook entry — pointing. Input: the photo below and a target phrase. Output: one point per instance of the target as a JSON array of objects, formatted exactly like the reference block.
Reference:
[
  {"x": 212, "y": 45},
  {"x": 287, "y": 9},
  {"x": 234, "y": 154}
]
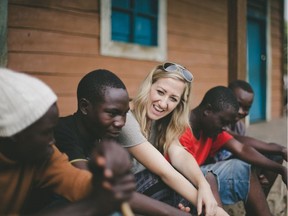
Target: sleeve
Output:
[
  {"x": 187, "y": 142},
  {"x": 68, "y": 142},
  {"x": 240, "y": 128},
  {"x": 63, "y": 178},
  {"x": 221, "y": 139},
  {"x": 131, "y": 134}
]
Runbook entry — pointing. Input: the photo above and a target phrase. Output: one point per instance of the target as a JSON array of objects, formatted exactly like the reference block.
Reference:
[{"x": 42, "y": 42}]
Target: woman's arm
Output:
[
  {"x": 185, "y": 163},
  {"x": 154, "y": 161}
]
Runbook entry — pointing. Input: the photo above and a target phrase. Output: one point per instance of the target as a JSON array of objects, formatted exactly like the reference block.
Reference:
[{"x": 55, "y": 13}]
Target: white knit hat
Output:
[{"x": 23, "y": 100}]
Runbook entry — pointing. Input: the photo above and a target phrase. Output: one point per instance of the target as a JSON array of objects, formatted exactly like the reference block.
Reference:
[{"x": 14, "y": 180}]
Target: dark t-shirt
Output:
[{"x": 69, "y": 140}]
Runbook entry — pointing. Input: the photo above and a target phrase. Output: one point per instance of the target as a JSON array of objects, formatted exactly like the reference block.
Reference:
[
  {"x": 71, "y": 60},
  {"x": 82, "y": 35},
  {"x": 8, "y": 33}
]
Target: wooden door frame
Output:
[{"x": 237, "y": 10}]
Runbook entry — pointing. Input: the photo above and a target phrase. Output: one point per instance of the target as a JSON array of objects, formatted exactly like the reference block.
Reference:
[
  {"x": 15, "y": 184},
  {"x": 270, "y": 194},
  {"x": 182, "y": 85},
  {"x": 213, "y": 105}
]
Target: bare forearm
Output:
[
  {"x": 253, "y": 157},
  {"x": 261, "y": 146},
  {"x": 154, "y": 161},
  {"x": 191, "y": 171},
  {"x": 181, "y": 185}
]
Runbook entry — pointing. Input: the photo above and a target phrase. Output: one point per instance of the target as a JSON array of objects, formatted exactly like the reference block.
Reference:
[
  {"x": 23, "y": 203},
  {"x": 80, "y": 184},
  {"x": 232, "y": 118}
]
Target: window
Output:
[
  {"x": 134, "y": 29},
  {"x": 135, "y": 21}
]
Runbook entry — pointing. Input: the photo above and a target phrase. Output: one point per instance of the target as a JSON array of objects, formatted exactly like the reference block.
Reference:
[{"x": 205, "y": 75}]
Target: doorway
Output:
[{"x": 256, "y": 58}]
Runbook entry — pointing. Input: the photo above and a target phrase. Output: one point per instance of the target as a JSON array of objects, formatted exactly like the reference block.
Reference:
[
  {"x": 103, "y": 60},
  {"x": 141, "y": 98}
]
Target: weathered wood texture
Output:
[
  {"x": 58, "y": 41},
  {"x": 237, "y": 18},
  {"x": 197, "y": 38}
]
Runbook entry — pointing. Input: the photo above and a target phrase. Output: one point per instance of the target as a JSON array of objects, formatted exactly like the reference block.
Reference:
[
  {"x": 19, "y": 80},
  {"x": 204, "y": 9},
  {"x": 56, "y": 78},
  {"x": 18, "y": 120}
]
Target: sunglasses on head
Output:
[{"x": 173, "y": 67}]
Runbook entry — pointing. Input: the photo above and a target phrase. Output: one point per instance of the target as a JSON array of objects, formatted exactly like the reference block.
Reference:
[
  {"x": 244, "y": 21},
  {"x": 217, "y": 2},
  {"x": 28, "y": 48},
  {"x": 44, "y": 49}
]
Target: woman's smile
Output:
[{"x": 165, "y": 95}]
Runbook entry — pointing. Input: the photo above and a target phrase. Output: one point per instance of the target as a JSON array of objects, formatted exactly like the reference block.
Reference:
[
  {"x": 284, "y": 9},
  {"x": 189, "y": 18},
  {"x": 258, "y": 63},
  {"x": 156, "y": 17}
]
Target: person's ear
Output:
[
  {"x": 84, "y": 105},
  {"x": 207, "y": 110}
]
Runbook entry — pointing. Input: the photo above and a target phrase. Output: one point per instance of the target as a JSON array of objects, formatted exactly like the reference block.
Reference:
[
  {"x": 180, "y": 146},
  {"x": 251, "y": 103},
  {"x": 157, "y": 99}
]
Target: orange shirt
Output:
[{"x": 17, "y": 179}]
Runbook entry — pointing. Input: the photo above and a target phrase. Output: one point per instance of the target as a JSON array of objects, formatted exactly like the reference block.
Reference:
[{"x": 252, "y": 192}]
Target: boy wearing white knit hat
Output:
[{"x": 28, "y": 158}]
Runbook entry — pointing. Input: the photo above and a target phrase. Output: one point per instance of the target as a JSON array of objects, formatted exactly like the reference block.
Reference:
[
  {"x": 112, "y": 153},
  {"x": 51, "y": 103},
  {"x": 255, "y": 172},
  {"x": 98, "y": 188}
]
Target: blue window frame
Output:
[
  {"x": 135, "y": 29},
  {"x": 135, "y": 21}
]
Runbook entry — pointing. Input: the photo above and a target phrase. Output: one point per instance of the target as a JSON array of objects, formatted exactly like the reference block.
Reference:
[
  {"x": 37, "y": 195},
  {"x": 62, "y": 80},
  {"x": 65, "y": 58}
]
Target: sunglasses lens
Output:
[
  {"x": 188, "y": 76},
  {"x": 170, "y": 67}
]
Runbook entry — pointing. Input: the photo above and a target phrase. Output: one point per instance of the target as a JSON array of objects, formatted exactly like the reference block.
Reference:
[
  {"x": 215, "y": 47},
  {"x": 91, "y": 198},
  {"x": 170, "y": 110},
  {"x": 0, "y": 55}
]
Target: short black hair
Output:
[
  {"x": 241, "y": 84},
  {"x": 220, "y": 98},
  {"x": 93, "y": 85}
]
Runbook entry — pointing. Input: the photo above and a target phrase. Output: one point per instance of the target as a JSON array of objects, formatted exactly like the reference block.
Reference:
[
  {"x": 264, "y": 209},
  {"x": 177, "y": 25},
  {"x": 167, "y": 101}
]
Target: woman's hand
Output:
[{"x": 205, "y": 198}]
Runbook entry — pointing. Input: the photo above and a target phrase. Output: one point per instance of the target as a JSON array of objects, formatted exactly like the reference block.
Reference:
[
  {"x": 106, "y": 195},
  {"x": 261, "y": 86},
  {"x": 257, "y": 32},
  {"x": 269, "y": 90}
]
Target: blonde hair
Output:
[{"x": 173, "y": 125}]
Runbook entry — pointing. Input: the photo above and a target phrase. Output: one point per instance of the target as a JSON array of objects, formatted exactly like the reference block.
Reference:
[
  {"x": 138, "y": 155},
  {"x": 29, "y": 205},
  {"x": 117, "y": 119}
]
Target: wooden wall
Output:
[
  {"x": 277, "y": 40},
  {"x": 58, "y": 41},
  {"x": 197, "y": 38}
]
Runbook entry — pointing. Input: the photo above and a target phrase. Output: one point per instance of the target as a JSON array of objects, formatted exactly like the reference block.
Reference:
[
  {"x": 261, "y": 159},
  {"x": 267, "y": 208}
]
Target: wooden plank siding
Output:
[
  {"x": 276, "y": 34},
  {"x": 58, "y": 41},
  {"x": 197, "y": 38},
  {"x": 50, "y": 39}
]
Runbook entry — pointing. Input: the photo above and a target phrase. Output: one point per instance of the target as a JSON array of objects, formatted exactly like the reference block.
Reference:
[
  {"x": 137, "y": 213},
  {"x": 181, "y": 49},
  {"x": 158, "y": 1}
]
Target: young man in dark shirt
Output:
[{"x": 103, "y": 102}]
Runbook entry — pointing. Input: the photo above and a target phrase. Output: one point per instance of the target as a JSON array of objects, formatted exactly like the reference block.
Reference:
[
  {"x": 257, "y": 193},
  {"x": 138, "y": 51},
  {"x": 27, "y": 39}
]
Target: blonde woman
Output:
[{"x": 159, "y": 115}]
